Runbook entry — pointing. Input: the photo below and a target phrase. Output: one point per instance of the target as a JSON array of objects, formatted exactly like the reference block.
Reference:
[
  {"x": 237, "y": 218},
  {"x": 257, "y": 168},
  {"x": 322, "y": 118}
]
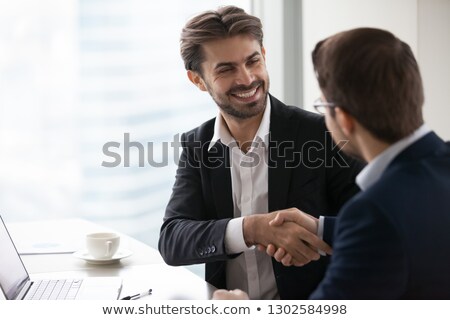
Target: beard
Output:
[
  {"x": 242, "y": 111},
  {"x": 345, "y": 144},
  {"x": 352, "y": 152},
  {"x": 348, "y": 147}
]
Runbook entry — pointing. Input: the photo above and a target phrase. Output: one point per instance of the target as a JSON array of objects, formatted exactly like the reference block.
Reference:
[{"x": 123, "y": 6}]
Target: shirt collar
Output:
[
  {"x": 374, "y": 169},
  {"x": 222, "y": 133}
]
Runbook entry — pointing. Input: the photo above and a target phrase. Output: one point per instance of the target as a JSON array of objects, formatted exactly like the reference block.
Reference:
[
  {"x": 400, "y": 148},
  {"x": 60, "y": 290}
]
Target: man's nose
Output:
[{"x": 245, "y": 76}]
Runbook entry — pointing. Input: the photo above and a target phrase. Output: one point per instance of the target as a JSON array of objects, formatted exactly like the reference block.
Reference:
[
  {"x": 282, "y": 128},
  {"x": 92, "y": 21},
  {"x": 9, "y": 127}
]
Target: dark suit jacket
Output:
[
  {"x": 304, "y": 172},
  {"x": 392, "y": 241}
]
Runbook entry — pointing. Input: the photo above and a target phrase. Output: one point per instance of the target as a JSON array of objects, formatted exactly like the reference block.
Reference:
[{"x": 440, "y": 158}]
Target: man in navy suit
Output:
[
  {"x": 257, "y": 155},
  {"x": 391, "y": 241}
]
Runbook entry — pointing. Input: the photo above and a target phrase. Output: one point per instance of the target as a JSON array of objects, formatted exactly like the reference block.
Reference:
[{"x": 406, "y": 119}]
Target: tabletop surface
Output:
[{"x": 47, "y": 247}]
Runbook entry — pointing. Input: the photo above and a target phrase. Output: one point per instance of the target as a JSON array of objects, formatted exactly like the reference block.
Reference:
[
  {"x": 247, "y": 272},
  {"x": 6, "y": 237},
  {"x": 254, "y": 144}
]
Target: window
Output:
[{"x": 78, "y": 74}]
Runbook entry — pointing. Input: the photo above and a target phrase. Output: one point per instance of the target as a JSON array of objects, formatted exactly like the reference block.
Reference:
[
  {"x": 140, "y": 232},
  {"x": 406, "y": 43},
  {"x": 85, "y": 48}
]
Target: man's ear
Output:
[
  {"x": 263, "y": 52},
  {"x": 196, "y": 79},
  {"x": 345, "y": 121}
]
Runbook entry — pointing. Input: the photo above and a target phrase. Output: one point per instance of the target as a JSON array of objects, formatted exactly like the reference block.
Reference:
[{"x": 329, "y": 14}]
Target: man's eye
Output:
[
  {"x": 224, "y": 70},
  {"x": 253, "y": 61}
]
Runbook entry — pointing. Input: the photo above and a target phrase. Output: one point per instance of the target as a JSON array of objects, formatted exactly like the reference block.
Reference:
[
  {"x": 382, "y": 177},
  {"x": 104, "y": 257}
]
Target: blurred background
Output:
[{"x": 77, "y": 74}]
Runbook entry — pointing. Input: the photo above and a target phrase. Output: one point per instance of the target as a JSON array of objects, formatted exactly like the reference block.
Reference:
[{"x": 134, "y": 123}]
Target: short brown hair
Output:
[
  {"x": 373, "y": 76},
  {"x": 212, "y": 25}
]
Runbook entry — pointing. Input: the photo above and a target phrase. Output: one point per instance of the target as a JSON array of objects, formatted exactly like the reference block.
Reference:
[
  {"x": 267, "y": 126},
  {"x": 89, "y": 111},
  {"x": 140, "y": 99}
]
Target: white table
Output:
[{"x": 143, "y": 270}]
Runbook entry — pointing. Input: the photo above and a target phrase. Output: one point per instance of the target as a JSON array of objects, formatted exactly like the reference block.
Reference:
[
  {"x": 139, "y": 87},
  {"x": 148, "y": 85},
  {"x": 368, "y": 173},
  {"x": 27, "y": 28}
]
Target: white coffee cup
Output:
[{"x": 102, "y": 245}]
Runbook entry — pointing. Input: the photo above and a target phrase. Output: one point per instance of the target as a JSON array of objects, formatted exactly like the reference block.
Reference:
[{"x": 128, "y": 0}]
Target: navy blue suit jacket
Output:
[
  {"x": 304, "y": 171},
  {"x": 392, "y": 241}
]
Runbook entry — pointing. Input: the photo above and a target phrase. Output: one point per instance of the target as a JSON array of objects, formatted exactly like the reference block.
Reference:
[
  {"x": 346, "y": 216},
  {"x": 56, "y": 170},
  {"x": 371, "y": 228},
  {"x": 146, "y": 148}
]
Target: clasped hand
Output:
[{"x": 290, "y": 236}]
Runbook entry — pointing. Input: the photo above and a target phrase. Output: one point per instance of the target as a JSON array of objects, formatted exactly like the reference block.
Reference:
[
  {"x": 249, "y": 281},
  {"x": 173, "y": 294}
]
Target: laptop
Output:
[{"x": 16, "y": 284}]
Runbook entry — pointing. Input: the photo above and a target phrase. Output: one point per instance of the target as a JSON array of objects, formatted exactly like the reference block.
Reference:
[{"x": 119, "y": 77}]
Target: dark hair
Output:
[
  {"x": 212, "y": 25},
  {"x": 373, "y": 76}
]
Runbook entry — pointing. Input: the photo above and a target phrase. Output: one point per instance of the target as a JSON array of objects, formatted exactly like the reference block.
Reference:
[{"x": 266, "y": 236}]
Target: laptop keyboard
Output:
[{"x": 65, "y": 289}]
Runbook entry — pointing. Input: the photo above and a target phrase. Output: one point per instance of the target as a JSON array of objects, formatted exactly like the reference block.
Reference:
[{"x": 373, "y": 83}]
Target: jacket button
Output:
[
  {"x": 213, "y": 248},
  {"x": 200, "y": 252}
]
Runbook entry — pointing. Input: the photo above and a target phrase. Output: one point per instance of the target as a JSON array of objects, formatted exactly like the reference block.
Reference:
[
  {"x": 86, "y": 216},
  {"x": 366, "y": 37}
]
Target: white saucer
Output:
[{"x": 83, "y": 254}]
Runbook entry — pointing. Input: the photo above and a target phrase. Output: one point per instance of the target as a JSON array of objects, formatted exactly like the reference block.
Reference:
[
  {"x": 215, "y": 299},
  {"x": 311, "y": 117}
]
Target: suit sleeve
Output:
[
  {"x": 368, "y": 261},
  {"x": 328, "y": 230},
  {"x": 188, "y": 235}
]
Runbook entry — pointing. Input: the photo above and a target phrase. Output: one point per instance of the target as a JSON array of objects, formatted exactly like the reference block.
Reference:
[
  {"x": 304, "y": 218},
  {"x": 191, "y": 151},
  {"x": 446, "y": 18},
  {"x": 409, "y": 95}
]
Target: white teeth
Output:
[{"x": 247, "y": 94}]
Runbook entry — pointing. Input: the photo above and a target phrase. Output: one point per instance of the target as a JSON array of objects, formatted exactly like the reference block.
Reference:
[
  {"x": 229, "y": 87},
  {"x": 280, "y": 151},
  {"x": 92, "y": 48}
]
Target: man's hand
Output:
[
  {"x": 298, "y": 240},
  {"x": 296, "y": 216},
  {"x": 235, "y": 294},
  {"x": 299, "y": 217}
]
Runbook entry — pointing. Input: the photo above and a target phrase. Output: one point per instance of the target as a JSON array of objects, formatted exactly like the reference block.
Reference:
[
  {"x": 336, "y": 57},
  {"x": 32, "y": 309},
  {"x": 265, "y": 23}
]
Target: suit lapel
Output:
[
  {"x": 281, "y": 145},
  {"x": 219, "y": 164}
]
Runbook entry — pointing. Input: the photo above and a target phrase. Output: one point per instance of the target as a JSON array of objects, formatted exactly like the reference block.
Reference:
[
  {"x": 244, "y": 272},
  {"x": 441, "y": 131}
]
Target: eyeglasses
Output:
[{"x": 321, "y": 106}]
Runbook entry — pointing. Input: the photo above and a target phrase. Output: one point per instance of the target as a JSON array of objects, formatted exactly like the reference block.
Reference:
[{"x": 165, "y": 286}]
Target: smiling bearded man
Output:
[{"x": 253, "y": 158}]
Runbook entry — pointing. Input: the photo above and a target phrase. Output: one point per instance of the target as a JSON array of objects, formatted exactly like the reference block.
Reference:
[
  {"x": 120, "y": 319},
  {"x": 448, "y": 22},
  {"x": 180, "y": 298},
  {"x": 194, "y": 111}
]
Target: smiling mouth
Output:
[{"x": 246, "y": 94}]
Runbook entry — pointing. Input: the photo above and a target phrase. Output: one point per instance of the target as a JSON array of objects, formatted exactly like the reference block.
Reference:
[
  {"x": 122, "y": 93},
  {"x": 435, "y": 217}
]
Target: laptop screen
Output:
[{"x": 13, "y": 274}]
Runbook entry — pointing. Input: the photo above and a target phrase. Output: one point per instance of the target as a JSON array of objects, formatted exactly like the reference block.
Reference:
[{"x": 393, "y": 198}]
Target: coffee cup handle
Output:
[{"x": 108, "y": 248}]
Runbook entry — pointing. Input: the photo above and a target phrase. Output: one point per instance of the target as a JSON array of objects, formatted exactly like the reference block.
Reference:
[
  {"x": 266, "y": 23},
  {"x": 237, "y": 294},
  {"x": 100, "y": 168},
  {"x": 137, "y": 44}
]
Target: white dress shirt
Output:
[{"x": 251, "y": 271}]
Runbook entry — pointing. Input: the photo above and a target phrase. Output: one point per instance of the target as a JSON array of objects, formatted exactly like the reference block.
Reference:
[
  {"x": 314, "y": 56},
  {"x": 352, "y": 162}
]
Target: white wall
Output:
[
  {"x": 434, "y": 60},
  {"x": 423, "y": 24},
  {"x": 323, "y": 18}
]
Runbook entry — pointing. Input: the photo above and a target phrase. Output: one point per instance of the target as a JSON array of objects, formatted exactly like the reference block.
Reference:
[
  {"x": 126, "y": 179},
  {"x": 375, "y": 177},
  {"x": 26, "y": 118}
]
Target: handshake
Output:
[{"x": 289, "y": 236}]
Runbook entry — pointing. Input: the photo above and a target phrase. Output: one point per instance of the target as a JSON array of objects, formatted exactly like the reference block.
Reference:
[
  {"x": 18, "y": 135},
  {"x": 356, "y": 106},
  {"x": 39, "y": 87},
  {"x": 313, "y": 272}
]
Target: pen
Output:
[{"x": 138, "y": 295}]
